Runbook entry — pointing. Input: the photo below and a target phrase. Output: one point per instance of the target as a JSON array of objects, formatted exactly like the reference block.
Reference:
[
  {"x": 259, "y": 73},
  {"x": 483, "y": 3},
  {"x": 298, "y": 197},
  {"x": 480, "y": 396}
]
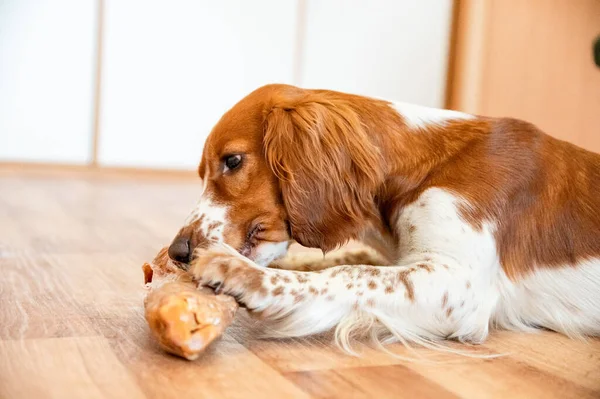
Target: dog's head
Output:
[{"x": 285, "y": 164}]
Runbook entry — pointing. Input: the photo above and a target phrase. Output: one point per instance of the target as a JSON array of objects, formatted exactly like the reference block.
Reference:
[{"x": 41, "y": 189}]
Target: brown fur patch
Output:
[
  {"x": 253, "y": 278},
  {"x": 372, "y": 285},
  {"x": 426, "y": 267},
  {"x": 374, "y": 271},
  {"x": 341, "y": 270},
  {"x": 277, "y": 291},
  {"x": 445, "y": 300},
  {"x": 403, "y": 277},
  {"x": 213, "y": 226}
]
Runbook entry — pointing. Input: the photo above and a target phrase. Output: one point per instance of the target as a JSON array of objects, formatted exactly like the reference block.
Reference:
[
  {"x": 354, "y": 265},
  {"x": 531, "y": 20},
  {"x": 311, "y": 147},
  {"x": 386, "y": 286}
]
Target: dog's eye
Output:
[{"x": 232, "y": 162}]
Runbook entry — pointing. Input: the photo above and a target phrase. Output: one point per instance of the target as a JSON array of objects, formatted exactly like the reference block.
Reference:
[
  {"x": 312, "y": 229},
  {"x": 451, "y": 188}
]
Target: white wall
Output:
[
  {"x": 172, "y": 68},
  {"x": 47, "y": 67},
  {"x": 397, "y": 50}
]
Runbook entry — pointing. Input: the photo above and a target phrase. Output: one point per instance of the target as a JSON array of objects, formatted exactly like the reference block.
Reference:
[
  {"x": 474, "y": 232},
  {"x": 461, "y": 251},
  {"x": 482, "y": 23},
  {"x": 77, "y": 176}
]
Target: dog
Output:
[{"x": 481, "y": 222}]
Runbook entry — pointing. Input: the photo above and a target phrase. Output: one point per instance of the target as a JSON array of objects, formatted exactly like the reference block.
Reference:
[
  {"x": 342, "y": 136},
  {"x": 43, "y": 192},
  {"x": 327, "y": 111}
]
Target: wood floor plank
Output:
[
  {"x": 391, "y": 381},
  {"x": 74, "y": 367},
  {"x": 500, "y": 378},
  {"x": 575, "y": 360},
  {"x": 35, "y": 302}
]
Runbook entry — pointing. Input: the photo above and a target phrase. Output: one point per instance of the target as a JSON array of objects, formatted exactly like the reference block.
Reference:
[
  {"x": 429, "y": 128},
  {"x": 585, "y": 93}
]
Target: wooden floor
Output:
[{"x": 71, "y": 324}]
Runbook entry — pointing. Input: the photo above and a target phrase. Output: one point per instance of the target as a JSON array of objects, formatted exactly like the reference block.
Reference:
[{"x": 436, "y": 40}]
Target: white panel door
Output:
[
  {"x": 47, "y": 70},
  {"x": 172, "y": 68},
  {"x": 395, "y": 49}
]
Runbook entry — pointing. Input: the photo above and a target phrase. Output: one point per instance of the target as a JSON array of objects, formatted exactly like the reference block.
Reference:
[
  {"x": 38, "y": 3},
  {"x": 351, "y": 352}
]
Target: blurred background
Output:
[{"x": 139, "y": 83}]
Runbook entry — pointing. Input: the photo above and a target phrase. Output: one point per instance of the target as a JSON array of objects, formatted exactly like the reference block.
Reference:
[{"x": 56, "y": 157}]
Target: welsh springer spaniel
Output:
[{"x": 484, "y": 222}]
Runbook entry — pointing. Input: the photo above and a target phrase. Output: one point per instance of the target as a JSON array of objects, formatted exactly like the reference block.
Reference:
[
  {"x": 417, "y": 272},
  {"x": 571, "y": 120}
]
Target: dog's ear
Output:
[{"x": 327, "y": 166}]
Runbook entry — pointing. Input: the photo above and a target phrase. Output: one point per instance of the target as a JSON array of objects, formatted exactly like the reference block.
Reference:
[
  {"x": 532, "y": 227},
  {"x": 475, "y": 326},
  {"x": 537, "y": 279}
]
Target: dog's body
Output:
[{"x": 485, "y": 222}]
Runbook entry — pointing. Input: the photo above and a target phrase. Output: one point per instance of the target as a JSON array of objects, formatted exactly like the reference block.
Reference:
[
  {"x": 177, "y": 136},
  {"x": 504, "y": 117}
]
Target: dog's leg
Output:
[
  {"x": 432, "y": 298},
  {"x": 311, "y": 261}
]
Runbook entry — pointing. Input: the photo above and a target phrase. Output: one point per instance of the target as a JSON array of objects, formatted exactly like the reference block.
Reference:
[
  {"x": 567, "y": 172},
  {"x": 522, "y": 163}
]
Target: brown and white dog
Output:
[{"x": 485, "y": 222}]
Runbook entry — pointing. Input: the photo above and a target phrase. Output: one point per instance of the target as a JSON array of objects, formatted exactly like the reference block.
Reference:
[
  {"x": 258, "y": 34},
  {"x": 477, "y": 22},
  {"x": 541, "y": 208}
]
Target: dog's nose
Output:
[{"x": 179, "y": 250}]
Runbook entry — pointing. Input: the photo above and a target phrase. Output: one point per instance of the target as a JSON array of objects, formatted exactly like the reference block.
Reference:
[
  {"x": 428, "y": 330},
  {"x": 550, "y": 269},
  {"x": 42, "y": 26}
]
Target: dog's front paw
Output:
[{"x": 230, "y": 274}]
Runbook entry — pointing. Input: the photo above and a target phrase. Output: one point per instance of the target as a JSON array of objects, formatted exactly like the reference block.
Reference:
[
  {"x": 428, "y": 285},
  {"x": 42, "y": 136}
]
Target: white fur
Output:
[
  {"x": 211, "y": 214},
  {"x": 419, "y": 117},
  {"x": 267, "y": 252},
  {"x": 564, "y": 299}
]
